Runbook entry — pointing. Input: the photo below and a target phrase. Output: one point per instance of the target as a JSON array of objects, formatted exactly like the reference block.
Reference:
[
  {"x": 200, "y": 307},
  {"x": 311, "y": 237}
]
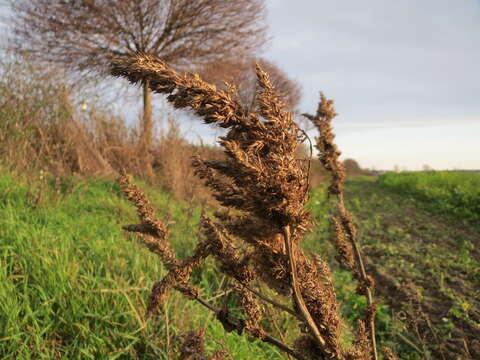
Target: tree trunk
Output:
[{"x": 147, "y": 123}]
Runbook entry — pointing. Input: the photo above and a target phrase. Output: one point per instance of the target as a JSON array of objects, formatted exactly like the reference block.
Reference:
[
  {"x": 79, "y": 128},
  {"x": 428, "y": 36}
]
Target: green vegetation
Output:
[
  {"x": 427, "y": 269},
  {"x": 74, "y": 286},
  {"x": 444, "y": 192}
]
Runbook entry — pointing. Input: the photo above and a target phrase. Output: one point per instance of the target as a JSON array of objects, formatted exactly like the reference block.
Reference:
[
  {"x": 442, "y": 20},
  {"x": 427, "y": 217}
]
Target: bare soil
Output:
[{"x": 427, "y": 269}]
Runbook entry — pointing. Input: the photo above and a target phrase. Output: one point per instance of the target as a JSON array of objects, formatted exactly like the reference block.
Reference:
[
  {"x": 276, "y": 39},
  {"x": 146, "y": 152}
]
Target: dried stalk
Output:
[
  {"x": 329, "y": 157},
  {"x": 274, "y": 303},
  {"x": 267, "y": 187},
  {"x": 296, "y": 291},
  {"x": 154, "y": 233},
  {"x": 232, "y": 323},
  {"x": 365, "y": 279}
]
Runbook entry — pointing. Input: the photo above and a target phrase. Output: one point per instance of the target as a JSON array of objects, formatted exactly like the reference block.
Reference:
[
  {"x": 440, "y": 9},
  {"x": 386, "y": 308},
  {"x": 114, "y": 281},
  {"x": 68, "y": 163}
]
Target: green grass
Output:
[
  {"x": 427, "y": 266},
  {"x": 449, "y": 193},
  {"x": 73, "y": 286}
]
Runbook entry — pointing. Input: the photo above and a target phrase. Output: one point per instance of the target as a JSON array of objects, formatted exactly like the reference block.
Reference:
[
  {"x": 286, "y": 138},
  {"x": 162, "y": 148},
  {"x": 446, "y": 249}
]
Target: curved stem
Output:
[
  {"x": 296, "y": 290},
  {"x": 237, "y": 323}
]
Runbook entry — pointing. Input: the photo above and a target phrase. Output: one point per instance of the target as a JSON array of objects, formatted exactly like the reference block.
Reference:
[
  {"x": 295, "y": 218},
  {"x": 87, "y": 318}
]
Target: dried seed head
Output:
[
  {"x": 308, "y": 348},
  {"x": 222, "y": 247},
  {"x": 389, "y": 354},
  {"x": 265, "y": 184},
  {"x": 252, "y": 310},
  {"x": 361, "y": 349},
  {"x": 153, "y": 231},
  {"x": 192, "y": 347},
  {"x": 344, "y": 229},
  {"x": 328, "y": 152},
  {"x": 344, "y": 248}
]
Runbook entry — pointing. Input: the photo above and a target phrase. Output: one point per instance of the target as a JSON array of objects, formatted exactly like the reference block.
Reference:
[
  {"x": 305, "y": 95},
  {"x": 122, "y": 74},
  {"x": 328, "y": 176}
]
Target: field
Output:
[
  {"x": 450, "y": 193},
  {"x": 427, "y": 267},
  {"x": 75, "y": 287}
]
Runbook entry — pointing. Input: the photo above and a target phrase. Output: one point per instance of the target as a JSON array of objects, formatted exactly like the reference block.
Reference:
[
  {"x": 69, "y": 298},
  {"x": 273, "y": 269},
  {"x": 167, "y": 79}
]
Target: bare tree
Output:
[
  {"x": 352, "y": 167},
  {"x": 83, "y": 35},
  {"x": 241, "y": 73}
]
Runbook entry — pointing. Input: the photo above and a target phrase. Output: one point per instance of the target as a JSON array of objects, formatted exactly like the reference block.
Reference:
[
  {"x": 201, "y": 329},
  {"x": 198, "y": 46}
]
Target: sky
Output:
[{"x": 404, "y": 75}]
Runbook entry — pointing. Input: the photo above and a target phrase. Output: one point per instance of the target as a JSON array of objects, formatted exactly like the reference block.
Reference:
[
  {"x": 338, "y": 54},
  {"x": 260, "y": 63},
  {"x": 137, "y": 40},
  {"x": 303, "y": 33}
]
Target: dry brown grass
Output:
[
  {"x": 192, "y": 347},
  {"x": 43, "y": 128},
  {"x": 255, "y": 237},
  {"x": 172, "y": 160}
]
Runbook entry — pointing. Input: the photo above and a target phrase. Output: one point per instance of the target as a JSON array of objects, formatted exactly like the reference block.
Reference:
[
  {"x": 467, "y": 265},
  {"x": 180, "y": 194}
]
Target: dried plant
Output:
[
  {"x": 192, "y": 347},
  {"x": 256, "y": 236},
  {"x": 344, "y": 230},
  {"x": 241, "y": 73}
]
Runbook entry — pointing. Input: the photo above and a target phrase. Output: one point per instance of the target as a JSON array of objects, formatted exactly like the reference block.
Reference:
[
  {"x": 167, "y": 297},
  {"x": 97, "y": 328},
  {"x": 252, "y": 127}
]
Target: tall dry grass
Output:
[
  {"x": 41, "y": 127},
  {"x": 172, "y": 158},
  {"x": 44, "y": 126}
]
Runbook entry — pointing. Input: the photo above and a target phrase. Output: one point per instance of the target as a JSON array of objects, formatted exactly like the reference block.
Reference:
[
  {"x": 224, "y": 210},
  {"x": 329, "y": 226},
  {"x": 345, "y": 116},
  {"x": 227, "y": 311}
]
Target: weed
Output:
[{"x": 263, "y": 188}]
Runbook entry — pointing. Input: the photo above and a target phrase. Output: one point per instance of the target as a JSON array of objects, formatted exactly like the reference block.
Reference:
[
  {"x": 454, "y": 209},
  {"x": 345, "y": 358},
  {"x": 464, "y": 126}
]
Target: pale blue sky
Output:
[{"x": 404, "y": 75}]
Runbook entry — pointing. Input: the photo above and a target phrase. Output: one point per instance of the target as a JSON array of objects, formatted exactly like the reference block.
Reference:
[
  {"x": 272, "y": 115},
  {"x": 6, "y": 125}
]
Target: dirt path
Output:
[{"x": 427, "y": 269}]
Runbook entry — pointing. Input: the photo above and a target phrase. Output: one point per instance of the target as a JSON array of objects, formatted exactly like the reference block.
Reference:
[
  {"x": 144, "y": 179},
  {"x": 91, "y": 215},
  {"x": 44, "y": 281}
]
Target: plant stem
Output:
[
  {"x": 362, "y": 272},
  {"x": 274, "y": 303},
  {"x": 296, "y": 291},
  {"x": 237, "y": 323}
]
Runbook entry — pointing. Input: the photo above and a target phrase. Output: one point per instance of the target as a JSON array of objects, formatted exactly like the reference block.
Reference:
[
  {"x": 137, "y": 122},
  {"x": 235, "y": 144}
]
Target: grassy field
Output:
[
  {"x": 448, "y": 193},
  {"x": 74, "y": 286},
  {"x": 426, "y": 264}
]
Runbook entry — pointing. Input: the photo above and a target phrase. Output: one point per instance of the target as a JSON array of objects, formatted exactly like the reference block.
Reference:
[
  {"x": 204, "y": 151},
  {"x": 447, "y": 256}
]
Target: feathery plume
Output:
[
  {"x": 263, "y": 188},
  {"x": 345, "y": 233}
]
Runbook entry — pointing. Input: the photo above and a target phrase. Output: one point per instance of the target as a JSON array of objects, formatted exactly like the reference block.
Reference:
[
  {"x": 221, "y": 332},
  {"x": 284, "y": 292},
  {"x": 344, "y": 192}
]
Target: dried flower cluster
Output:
[
  {"x": 345, "y": 233},
  {"x": 192, "y": 347},
  {"x": 255, "y": 237}
]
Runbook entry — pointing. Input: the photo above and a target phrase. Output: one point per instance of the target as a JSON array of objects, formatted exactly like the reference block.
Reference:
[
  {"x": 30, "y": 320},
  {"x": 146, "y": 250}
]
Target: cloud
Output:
[
  {"x": 404, "y": 75},
  {"x": 382, "y": 60}
]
